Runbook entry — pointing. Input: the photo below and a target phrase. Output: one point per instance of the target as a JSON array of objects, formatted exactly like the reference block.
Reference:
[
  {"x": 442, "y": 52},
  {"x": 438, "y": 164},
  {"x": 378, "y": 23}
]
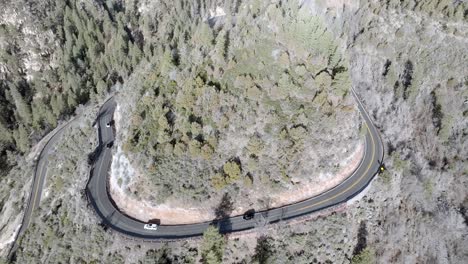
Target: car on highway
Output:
[
  {"x": 110, "y": 144},
  {"x": 110, "y": 123},
  {"x": 249, "y": 214},
  {"x": 151, "y": 227}
]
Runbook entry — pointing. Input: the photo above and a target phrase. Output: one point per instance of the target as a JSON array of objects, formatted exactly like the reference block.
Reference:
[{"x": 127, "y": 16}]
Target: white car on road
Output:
[{"x": 151, "y": 226}]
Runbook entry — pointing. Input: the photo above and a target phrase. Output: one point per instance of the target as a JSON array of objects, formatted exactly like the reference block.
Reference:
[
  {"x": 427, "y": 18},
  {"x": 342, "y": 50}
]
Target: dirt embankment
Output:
[{"x": 169, "y": 214}]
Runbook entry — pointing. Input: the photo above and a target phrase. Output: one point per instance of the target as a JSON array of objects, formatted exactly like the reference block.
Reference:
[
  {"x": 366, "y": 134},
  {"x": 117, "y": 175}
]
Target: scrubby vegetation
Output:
[
  {"x": 208, "y": 81},
  {"x": 419, "y": 105},
  {"x": 367, "y": 256},
  {"x": 230, "y": 102},
  {"x": 453, "y": 10},
  {"x": 235, "y": 101}
]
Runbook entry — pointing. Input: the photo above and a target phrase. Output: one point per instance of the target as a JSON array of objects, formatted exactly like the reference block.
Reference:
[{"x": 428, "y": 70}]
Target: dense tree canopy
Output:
[{"x": 83, "y": 48}]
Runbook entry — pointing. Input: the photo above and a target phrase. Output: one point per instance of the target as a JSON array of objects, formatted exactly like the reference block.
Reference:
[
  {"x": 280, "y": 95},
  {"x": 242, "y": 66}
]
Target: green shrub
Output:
[
  {"x": 428, "y": 187},
  {"x": 206, "y": 151},
  {"x": 248, "y": 181},
  {"x": 218, "y": 181},
  {"x": 367, "y": 256},
  {"x": 232, "y": 170},
  {"x": 212, "y": 248}
]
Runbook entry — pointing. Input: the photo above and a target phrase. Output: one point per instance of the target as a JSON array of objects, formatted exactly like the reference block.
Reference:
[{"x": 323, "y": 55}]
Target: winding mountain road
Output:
[
  {"x": 40, "y": 173},
  {"x": 97, "y": 190}
]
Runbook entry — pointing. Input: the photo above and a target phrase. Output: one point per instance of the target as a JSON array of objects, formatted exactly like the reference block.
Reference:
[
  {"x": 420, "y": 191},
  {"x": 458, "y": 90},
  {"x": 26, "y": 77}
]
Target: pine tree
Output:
[
  {"x": 220, "y": 47},
  {"x": 38, "y": 114},
  {"x": 167, "y": 62},
  {"x": 101, "y": 87},
  {"x": 50, "y": 118},
  {"x": 5, "y": 134},
  {"x": 57, "y": 104},
  {"x": 213, "y": 246},
  {"x": 21, "y": 138},
  {"x": 71, "y": 101},
  {"x": 204, "y": 35},
  {"x": 22, "y": 108},
  {"x": 135, "y": 54}
]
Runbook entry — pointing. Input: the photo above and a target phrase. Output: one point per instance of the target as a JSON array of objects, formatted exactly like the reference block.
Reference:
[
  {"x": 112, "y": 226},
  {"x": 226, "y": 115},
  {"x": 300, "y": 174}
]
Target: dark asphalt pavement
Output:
[
  {"x": 38, "y": 183},
  {"x": 98, "y": 193},
  {"x": 111, "y": 217}
]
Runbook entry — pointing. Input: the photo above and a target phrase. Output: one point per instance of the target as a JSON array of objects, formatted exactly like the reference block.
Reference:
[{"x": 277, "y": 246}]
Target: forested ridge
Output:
[
  {"x": 212, "y": 93},
  {"x": 60, "y": 54},
  {"x": 77, "y": 50}
]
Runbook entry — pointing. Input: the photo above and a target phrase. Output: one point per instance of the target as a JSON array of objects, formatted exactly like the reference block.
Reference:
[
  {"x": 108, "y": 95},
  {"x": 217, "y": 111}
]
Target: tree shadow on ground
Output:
[{"x": 222, "y": 212}]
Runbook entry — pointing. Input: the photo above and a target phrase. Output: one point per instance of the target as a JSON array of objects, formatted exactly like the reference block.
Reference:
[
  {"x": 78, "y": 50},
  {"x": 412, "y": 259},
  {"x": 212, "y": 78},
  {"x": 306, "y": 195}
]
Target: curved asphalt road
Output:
[
  {"x": 98, "y": 193},
  {"x": 38, "y": 183}
]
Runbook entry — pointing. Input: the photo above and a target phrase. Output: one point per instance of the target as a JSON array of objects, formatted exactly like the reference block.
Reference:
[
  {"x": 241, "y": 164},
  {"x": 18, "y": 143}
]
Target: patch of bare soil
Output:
[{"x": 144, "y": 211}]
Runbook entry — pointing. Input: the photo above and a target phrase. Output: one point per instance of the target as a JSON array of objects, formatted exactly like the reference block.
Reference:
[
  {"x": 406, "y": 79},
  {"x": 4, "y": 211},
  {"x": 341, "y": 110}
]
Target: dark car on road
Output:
[
  {"x": 110, "y": 123},
  {"x": 249, "y": 214},
  {"x": 110, "y": 144}
]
